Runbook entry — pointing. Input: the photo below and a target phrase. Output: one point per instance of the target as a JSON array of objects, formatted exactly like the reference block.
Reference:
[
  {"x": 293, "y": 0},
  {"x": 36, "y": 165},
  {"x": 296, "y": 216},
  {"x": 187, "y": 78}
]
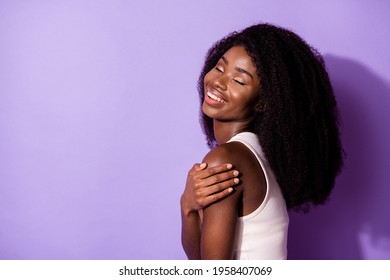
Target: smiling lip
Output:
[{"x": 214, "y": 96}]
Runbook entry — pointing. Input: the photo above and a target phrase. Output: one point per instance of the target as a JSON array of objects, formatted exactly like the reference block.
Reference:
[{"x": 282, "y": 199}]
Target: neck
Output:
[{"x": 224, "y": 131}]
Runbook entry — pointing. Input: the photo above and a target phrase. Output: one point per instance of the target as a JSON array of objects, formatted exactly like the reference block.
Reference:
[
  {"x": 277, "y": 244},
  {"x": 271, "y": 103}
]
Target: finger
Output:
[
  {"x": 217, "y": 178},
  {"x": 197, "y": 167},
  {"x": 219, "y": 187},
  {"x": 215, "y": 170},
  {"x": 215, "y": 197},
  {"x": 203, "y": 165}
]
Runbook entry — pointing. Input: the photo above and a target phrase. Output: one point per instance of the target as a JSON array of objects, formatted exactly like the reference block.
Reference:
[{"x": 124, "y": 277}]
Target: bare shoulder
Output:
[
  {"x": 232, "y": 152},
  {"x": 226, "y": 153},
  {"x": 252, "y": 178}
]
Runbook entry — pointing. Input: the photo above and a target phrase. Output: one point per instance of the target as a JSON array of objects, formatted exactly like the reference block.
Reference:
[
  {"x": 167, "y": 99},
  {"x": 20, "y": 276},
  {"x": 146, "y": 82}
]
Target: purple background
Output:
[{"x": 99, "y": 123}]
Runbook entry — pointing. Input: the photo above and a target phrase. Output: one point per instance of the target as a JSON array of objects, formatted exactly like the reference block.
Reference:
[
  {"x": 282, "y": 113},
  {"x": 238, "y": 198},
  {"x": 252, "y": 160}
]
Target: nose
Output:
[{"x": 220, "y": 82}]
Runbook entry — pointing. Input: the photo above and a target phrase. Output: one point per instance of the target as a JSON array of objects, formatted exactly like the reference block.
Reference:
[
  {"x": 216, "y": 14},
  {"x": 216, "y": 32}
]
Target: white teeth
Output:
[{"x": 214, "y": 97}]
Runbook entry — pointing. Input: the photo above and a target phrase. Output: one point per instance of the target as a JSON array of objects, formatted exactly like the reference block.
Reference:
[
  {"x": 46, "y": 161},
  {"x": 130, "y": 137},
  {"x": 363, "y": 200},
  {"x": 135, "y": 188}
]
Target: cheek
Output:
[
  {"x": 246, "y": 100},
  {"x": 253, "y": 101},
  {"x": 246, "y": 106},
  {"x": 207, "y": 78}
]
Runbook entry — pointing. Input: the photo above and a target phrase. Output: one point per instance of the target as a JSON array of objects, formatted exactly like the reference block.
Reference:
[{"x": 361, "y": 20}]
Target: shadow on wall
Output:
[{"x": 355, "y": 223}]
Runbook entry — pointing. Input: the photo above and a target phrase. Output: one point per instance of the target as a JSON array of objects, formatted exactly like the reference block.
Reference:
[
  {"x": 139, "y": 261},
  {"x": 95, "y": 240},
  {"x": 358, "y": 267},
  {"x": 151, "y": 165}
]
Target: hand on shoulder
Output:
[{"x": 206, "y": 185}]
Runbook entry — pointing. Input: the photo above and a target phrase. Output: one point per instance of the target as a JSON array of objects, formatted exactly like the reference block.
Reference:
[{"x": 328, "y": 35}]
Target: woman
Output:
[{"x": 268, "y": 110}]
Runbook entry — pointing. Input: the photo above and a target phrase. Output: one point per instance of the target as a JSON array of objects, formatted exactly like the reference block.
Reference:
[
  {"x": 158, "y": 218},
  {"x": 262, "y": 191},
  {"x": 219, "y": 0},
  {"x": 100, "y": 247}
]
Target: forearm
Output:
[{"x": 190, "y": 233}]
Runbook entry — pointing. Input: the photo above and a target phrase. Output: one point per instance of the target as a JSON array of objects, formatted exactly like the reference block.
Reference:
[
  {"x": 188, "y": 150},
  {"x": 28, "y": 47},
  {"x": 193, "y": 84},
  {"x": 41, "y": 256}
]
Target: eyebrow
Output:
[{"x": 237, "y": 68}]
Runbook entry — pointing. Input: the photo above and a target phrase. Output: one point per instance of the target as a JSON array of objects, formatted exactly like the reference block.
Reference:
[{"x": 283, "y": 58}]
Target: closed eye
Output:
[
  {"x": 219, "y": 69},
  {"x": 239, "y": 82}
]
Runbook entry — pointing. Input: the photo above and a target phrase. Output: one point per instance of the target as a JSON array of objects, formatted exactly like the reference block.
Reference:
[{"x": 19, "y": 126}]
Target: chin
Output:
[{"x": 208, "y": 111}]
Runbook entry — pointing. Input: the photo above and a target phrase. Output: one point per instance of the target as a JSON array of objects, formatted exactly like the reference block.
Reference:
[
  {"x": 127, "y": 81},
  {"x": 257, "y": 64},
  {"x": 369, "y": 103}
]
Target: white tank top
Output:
[{"x": 263, "y": 233}]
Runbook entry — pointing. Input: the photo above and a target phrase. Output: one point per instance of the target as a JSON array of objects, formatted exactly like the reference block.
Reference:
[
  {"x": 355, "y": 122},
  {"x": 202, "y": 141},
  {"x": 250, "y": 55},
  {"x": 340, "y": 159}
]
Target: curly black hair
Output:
[{"x": 296, "y": 117}]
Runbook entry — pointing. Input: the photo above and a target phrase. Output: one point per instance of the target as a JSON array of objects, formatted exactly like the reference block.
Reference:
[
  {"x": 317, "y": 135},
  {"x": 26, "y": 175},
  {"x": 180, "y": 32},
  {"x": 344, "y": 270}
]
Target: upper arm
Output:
[{"x": 220, "y": 218}]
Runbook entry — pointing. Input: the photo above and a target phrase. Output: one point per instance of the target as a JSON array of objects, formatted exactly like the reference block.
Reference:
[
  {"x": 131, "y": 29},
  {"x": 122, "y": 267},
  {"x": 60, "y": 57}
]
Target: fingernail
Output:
[
  {"x": 235, "y": 173},
  {"x": 229, "y": 166},
  {"x": 230, "y": 190},
  {"x": 202, "y": 165},
  {"x": 236, "y": 180}
]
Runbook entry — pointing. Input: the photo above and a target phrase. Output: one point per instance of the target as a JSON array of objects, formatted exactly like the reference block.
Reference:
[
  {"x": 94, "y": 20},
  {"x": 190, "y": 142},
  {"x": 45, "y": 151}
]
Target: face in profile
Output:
[{"x": 232, "y": 87}]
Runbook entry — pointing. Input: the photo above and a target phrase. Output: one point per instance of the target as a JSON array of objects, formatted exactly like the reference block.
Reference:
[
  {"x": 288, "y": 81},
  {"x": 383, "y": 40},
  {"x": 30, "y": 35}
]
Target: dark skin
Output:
[
  {"x": 205, "y": 185},
  {"x": 232, "y": 89},
  {"x": 208, "y": 184}
]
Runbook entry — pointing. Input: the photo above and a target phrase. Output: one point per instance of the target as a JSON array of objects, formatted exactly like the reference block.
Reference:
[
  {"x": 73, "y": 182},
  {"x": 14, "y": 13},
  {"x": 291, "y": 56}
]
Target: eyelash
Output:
[
  {"x": 221, "y": 71},
  {"x": 218, "y": 69},
  {"x": 240, "y": 83}
]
